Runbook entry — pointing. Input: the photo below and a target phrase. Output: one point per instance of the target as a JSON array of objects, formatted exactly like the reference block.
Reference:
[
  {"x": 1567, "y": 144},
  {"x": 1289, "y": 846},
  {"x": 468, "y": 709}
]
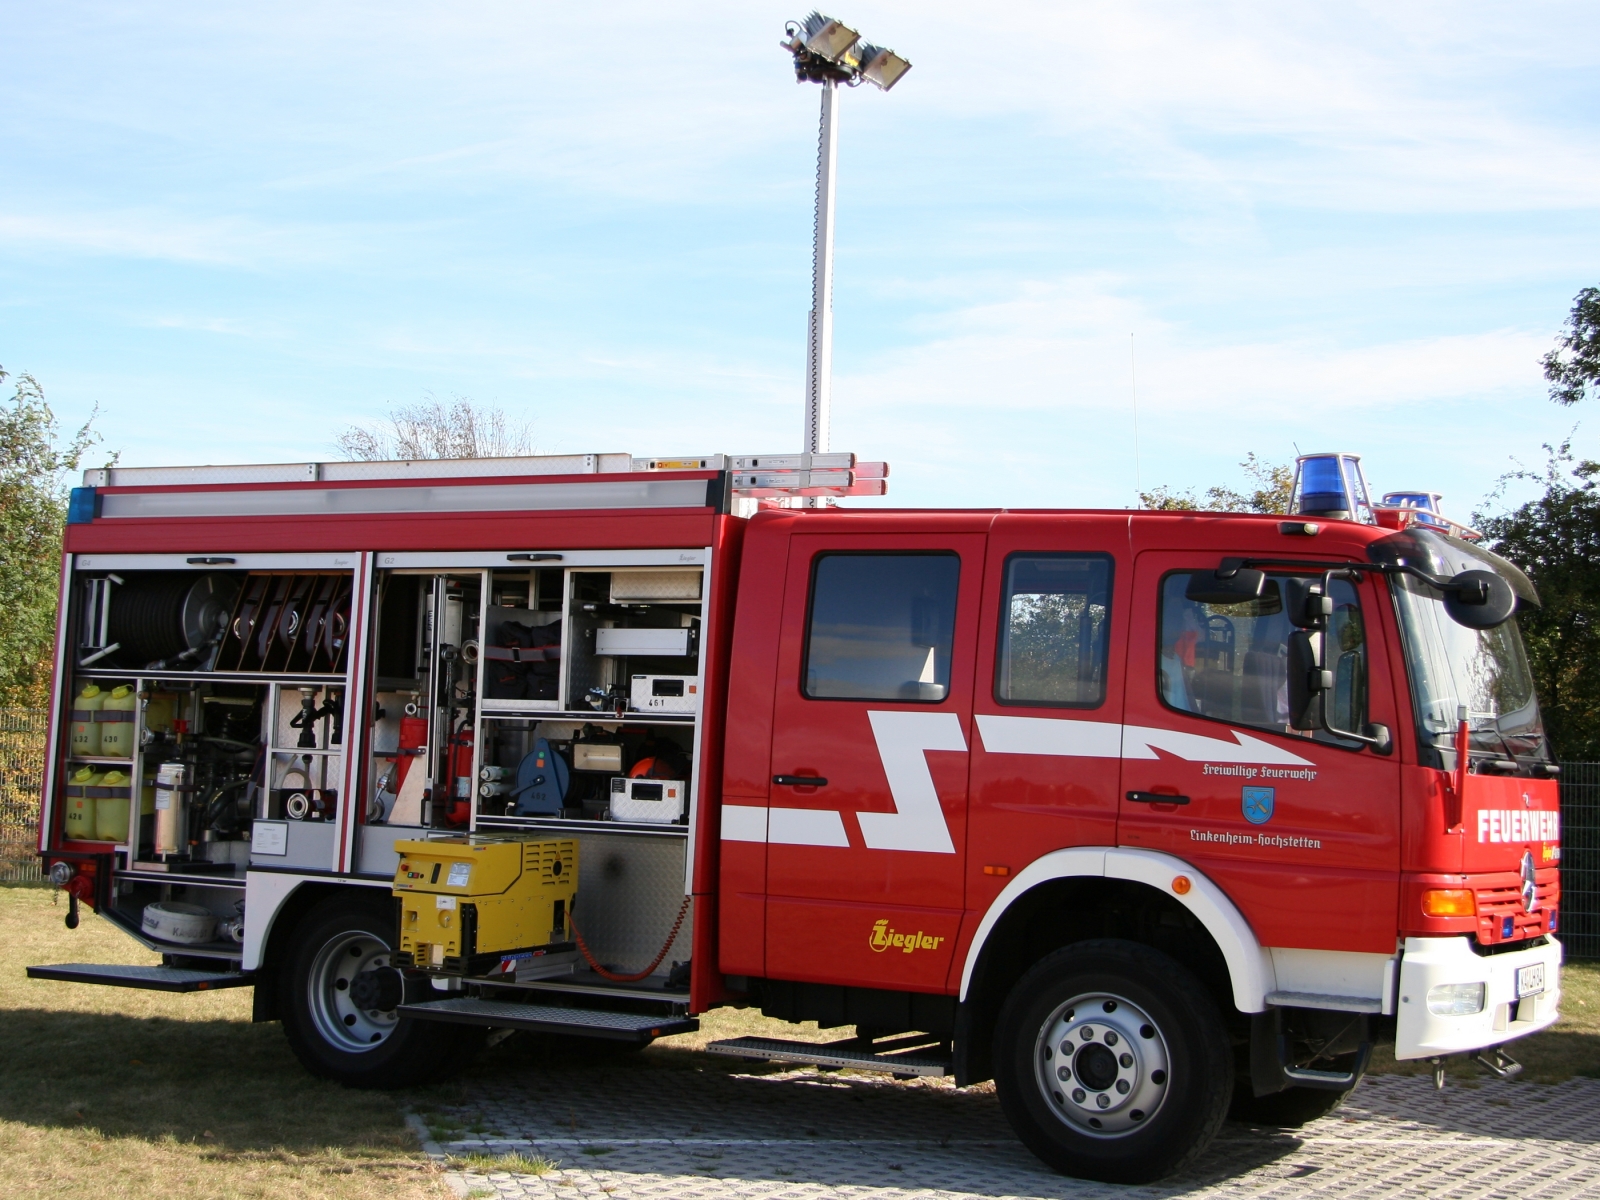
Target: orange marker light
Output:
[
  {"x": 1181, "y": 884},
  {"x": 1448, "y": 902},
  {"x": 991, "y": 869}
]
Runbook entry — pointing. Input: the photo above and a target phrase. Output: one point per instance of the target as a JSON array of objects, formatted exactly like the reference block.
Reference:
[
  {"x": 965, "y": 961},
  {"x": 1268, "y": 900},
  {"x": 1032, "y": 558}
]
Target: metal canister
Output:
[{"x": 172, "y": 808}]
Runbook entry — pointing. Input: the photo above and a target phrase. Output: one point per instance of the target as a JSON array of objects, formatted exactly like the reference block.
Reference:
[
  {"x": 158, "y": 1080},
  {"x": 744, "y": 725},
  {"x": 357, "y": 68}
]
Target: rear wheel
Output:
[
  {"x": 338, "y": 998},
  {"x": 1112, "y": 1062}
]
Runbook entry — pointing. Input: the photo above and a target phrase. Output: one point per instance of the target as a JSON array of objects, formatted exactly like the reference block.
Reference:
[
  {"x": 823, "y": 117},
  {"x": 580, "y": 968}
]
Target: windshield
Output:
[{"x": 1453, "y": 668}]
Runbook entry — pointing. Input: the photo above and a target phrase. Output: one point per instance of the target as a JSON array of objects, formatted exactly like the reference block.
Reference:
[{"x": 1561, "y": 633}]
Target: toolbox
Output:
[
  {"x": 657, "y": 801},
  {"x": 665, "y": 693}
]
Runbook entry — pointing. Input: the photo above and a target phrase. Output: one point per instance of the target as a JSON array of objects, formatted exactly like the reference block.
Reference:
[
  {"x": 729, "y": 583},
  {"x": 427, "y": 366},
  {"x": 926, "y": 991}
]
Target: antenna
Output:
[{"x": 1133, "y": 387}]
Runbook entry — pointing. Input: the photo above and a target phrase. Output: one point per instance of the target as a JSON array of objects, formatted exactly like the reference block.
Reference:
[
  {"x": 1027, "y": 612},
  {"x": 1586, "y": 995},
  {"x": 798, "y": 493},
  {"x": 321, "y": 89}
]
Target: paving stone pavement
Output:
[{"x": 709, "y": 1134}]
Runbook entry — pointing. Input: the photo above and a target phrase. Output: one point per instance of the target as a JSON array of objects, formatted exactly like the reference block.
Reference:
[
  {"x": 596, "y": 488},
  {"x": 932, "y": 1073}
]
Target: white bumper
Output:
[{"x": 1428, "y": 962}]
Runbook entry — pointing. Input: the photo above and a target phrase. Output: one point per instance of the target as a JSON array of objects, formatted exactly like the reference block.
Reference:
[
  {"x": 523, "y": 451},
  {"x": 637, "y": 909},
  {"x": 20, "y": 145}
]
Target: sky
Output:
[{"x": 238, "y": 229}]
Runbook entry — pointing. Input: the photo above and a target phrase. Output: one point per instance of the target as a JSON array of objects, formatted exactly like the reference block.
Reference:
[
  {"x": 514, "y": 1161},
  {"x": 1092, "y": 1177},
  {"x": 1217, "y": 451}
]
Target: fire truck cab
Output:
[{"x": 1150, "y": 817}]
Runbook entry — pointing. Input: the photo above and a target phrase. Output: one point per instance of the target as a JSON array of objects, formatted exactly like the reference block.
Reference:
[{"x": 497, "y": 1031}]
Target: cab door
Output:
[
  {"x": 1302, "y": 831},
  {"x": 1048, "y": 695},
  {"x": 873, "y": 703}
]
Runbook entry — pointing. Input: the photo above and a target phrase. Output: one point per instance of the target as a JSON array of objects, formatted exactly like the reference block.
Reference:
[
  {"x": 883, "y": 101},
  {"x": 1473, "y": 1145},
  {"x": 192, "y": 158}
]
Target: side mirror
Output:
[
  {"x": 1308, "y": 680},
  {"x": 1479, "y": 600},
  {"x": 1306, "y": 601},
  {"x": 1239, "y": 586}
]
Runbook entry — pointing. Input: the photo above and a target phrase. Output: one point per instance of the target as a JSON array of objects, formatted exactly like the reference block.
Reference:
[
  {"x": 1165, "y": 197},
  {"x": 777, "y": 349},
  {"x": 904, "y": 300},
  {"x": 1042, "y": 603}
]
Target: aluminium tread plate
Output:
[
  {"x": 160, "y": 979},
  {"x": 547, "y": 1018},
  {"x": 831, "y": 1054}
]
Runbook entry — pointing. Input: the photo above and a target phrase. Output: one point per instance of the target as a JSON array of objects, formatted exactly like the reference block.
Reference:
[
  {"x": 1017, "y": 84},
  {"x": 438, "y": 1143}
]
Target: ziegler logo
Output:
[{"x": 884, "y": 938}]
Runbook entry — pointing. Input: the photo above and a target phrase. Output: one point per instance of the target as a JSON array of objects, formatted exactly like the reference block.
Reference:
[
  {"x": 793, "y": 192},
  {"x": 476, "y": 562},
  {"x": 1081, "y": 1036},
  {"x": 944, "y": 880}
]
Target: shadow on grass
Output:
[{"x": 222, "y": 1084}]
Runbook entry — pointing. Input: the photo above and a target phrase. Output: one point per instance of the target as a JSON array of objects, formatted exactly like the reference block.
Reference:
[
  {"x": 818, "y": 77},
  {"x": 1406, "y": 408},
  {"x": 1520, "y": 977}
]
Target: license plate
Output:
[{"x": 1530, "y": 980}]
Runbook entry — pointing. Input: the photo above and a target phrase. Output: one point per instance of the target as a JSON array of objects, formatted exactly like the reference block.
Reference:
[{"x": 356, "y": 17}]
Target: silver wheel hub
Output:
[
  {"x": 1102, "y": 1065},
  {"x": 351, "y": 982}
]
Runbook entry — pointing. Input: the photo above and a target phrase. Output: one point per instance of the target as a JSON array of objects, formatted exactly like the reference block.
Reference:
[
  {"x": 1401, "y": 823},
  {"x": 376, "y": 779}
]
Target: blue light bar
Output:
[
  {"x": 1332, "y": 486},
  {"x": 83, "y": 506}
]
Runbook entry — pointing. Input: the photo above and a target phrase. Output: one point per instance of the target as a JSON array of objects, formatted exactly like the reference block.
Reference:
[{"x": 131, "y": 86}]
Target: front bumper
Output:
[{"x": 1427, "y": 962}]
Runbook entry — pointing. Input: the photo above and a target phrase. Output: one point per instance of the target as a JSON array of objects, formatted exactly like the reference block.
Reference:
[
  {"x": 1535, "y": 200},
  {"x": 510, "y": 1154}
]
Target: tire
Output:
[
  {"x": 1151, "y": 1069},
  {"x": 1288, "y": 1109},
  {"x": 337, "y": 996}
]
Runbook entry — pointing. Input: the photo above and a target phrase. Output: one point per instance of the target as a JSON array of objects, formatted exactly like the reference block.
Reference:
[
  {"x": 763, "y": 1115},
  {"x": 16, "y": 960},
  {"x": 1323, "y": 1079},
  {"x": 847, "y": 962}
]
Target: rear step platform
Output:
[
  {"x": 851, "y": 1052},
  {"x": 547, "y": 1018},
  {"x": 160, "y": 979}
]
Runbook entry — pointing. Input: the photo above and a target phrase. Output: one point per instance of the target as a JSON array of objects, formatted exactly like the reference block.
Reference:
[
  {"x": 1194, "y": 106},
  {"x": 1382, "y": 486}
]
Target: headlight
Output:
[{"x": 1455, "y": 999}]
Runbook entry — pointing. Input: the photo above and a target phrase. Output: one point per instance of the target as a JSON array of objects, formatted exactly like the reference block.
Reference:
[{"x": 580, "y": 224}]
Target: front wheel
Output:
[
  {"x": 1112, "y": 1062},
  {"x": 338, "y": 995}
]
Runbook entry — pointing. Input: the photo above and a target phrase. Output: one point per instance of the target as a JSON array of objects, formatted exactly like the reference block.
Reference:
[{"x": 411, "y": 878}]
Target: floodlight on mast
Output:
[{"x": 828, "y": 52}]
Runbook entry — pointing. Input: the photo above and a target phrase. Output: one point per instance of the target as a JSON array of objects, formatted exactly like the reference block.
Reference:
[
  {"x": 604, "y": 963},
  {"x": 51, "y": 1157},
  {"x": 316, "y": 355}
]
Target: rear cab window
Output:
[
  {"x": 1054, "y": 631},
  {"x": 881, "y": 627}
]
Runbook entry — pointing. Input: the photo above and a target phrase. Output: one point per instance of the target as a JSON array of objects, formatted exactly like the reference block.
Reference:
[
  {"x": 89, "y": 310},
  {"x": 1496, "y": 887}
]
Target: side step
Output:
[
  {"x": 547, "y": 1018},
  {"x": 159, "y": 979},
  {"x": 921, "y": 1059}
]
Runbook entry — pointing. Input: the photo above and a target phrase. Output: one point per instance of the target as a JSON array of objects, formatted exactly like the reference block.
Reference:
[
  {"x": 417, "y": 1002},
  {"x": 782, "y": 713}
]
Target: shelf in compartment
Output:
[
  {"x": 221, "y": 676},
  {"x": 99, "y": 761},
  {"x": 590, "y": 716},
  {"x": 232, "y": 881},
  {"x": 299, "y": 750},
  {"x": 579, "y": 825}
]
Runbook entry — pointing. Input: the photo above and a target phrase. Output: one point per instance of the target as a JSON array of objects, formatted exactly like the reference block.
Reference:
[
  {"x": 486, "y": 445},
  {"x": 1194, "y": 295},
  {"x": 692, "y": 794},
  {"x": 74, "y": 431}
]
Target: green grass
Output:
[
  {"x": 516, "y": 1163},
  {"x": 126, "y": 1095}
]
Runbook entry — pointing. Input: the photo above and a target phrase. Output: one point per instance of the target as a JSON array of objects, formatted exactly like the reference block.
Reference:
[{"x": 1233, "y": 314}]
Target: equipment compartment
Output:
[
  {"x": 542, "y": 770},
  {"x": 628, "y": 626},
  {"x": 272, "y": 622},
  {"x": 207, "y": 713}
]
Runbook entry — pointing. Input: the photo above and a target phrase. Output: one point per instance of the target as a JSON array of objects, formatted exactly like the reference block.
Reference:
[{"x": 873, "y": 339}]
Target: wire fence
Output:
[
  {"x": 1580, "y": 859},
  {"x": 22, "y": 732}
]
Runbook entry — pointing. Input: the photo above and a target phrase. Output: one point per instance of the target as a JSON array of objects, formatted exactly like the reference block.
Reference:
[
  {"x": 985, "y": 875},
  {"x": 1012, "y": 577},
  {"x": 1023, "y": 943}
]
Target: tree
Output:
[
  {"x": 34, "y": 481},
  {"x": 463, "y": 429},
  {"x": 1273, "y": 483},
  {"x": 1573, "y": 367},
  {"x": 1556, "y": 540}
]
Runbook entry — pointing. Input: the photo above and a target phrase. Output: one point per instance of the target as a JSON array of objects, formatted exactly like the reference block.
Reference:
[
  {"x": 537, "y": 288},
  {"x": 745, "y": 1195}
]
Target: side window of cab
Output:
[{"x": 1230, "y": 662}]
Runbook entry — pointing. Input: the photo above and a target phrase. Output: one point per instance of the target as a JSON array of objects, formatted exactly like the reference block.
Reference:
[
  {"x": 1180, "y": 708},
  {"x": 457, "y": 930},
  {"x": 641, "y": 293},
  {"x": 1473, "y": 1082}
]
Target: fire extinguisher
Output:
[{"x": 459, "y": 811}]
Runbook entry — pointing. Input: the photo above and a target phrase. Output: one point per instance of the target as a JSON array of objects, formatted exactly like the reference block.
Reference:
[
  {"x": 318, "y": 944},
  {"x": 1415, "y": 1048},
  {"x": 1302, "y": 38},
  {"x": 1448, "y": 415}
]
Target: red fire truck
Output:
[{"x": 1150, "y": 817}]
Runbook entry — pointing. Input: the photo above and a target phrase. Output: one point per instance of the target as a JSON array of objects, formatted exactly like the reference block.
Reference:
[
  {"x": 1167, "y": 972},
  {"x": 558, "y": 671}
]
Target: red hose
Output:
[{"x": 656, "y": 962}]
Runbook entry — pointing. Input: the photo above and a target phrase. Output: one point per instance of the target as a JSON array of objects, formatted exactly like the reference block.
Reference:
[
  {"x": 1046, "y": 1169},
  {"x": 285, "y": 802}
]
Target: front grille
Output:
[{"x": 1502, "y": 917}]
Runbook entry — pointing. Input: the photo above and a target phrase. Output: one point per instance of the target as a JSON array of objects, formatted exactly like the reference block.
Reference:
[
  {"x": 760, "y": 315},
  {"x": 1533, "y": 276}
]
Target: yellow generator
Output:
[{"x": 477, "y": 905}]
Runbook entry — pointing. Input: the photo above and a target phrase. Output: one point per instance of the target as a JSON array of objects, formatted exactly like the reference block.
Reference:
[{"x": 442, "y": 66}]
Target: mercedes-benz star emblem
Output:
[{"x": 1530, "y": 886}]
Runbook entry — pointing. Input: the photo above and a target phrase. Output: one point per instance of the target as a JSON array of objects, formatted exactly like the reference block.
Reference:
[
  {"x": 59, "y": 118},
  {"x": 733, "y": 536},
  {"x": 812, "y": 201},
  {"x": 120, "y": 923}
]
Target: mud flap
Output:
[{"x": 1272, "y": 1069}]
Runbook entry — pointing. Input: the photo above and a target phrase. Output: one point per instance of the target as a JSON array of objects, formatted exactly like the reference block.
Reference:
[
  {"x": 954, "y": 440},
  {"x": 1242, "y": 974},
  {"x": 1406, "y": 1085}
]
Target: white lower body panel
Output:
[{"x": 1429, "y": 962}]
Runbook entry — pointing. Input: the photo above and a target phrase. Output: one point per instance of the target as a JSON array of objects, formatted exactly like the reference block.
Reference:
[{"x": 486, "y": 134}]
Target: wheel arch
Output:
[
  {"x": 288, "y": 901},
  {"x": 1073, "y": 895}
]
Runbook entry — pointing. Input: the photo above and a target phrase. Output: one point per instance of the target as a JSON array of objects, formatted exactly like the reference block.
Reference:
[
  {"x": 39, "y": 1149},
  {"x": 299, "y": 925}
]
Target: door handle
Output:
[
  {"x": 799, "y": 781},
  {"x": 1156, "y": 798}
]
